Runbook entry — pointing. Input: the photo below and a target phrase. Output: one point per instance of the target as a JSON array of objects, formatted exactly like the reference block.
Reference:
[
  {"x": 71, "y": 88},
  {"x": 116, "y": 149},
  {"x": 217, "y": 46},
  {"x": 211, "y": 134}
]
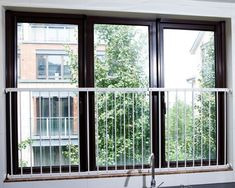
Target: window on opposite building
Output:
[{"x": 52, "y": 65}]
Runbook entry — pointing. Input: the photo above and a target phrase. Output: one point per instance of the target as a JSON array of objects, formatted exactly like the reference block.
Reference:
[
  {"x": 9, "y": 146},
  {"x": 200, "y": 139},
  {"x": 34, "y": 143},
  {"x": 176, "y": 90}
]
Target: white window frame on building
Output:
[{"x": 61, "y": 64}]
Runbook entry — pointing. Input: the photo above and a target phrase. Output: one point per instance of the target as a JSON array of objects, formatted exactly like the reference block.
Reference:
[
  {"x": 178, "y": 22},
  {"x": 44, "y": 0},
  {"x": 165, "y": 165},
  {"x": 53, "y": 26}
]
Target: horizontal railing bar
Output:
[
  {"x": 192, "y": 89},
  {"x": 116, "y": 89},
  {"x": 77, "y": 89}
]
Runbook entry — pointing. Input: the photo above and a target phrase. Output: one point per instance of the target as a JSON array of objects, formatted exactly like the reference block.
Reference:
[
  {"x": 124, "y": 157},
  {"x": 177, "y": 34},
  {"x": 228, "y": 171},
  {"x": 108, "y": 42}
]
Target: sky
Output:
[{"x": 180, "y": 64}]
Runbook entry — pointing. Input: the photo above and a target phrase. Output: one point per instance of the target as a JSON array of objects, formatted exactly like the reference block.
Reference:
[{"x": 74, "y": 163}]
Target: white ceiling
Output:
[{"x": 219, "y": 1}]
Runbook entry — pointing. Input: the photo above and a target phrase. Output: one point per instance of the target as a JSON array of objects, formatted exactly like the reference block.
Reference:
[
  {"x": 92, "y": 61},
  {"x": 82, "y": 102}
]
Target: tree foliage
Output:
[
  {"x": 123, "y": 127},
  {"x": 123, "y": 117},
  {"x": 199, "y": 140},
  {"x": 206, "y": 105},
  {"x": 24, "y": 144},
  {"x": 123, "y": 123}
]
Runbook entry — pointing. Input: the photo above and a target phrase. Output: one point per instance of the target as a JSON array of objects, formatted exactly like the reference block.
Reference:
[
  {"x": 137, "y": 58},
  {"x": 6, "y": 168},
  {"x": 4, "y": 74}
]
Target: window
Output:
[
  {"x": 42, "y": 159},
  {"x": 51, "y": 33},
  {"x": 195, "y": 138},
  {"x": 125, "y": 65},
  {"x": 52, "y": 66},
  {"x": 133, "y": 87},
  {"x": 59, "y": 119},
  {"x": 197, "y": 70}
]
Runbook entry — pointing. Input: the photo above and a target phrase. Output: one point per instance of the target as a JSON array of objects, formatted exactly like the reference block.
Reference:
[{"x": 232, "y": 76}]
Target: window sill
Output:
[{"x": 114, "y": 175}]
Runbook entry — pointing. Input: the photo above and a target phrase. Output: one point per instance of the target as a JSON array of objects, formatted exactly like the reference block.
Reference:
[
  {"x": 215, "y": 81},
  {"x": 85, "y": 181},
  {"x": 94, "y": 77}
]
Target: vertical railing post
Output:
[
  {"x": 49, "y": 119},
  {"x": 225, "y": 128},
  {"x": 160, "y": 128},
  {"x": 193, "y": 122},
  {"x": 210, "y": 130},
  {"x": 10, "y": 112},
  {"x": 202, "y": 128},
  {"x": 133, "y": 129},
  {"x": 115, "y": 130},
  {"x": 88, "y": 131},
  {"x": 185, "y": 130},
  {"x": 30, "y": 134},
  {"x": 78, "y": 130},
  {"x": 177, "y": 129},
  {"x": 168, "y": 130},
  {"x": 40, "y": 128},
  {"x": 217, "y": 128},
  {"x": 20, "y": 124},
  {"x": 69, "y": 131},
  {"x": 124, "y": 129},
  {"x": 60, "y": 126},
  {"x": 97, "y": 131}
]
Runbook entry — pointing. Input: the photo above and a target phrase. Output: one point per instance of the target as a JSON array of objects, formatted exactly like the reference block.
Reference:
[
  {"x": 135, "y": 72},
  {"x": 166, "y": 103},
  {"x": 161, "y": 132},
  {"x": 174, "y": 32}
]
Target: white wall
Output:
[{"x": 179, "y": 8}]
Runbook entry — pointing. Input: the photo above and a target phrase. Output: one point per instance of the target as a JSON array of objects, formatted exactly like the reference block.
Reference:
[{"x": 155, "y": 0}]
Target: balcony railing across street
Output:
[{"x": 125, "y": 119}]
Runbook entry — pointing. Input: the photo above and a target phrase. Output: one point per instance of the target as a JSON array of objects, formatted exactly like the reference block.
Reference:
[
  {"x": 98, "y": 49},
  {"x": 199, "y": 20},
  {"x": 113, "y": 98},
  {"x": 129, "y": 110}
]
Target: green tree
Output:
[
  {"x": 206, "y": 105},
  {"x": 21, "y": 147},
  {"x": 71, "y": 152},
  {"x": 203, "y": 126},
  {"x": 179, "y": 132},
  {"x": 123, "y": 118},
  {"x": 122, "y": 67},
  {"x": 125, "y": 57}
]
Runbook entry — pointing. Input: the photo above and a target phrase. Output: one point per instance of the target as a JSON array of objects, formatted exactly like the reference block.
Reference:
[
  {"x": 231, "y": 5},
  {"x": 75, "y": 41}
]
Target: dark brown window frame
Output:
[
  {"x": 220, "y": 80},
  {"x": 91, "y": 21},
  {"x": 12, "y": 18},
  {"x": 86, "y": 77}
]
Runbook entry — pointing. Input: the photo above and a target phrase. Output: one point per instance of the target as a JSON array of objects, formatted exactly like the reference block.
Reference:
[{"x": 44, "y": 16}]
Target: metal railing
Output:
[{"x": 188, "y": 123}]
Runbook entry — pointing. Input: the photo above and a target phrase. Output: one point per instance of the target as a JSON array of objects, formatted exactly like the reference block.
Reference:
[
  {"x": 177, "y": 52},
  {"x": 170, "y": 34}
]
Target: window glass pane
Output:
[
  {"x": 121, "y": 56},
  {"x": 189, "y": 62},
  {"x": 47, "y": 59},
  {"x": 55, "y": 107},
  {"x": 44, "y": 107},
  {"x": 70, "y": 36},
  {"x": 52, "y": 33},
  {"x": 42, "y": 66},
  {"x": 54, "y": 66},
  {"x": 122, "y": 61},
  {"x": 37, "y": 32},
  {"x": 45, "y": 153},
  {"x": 67, "y": 70},
  {"x": 61, "y": 33},
  {"x": 48, "y": 51}
]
